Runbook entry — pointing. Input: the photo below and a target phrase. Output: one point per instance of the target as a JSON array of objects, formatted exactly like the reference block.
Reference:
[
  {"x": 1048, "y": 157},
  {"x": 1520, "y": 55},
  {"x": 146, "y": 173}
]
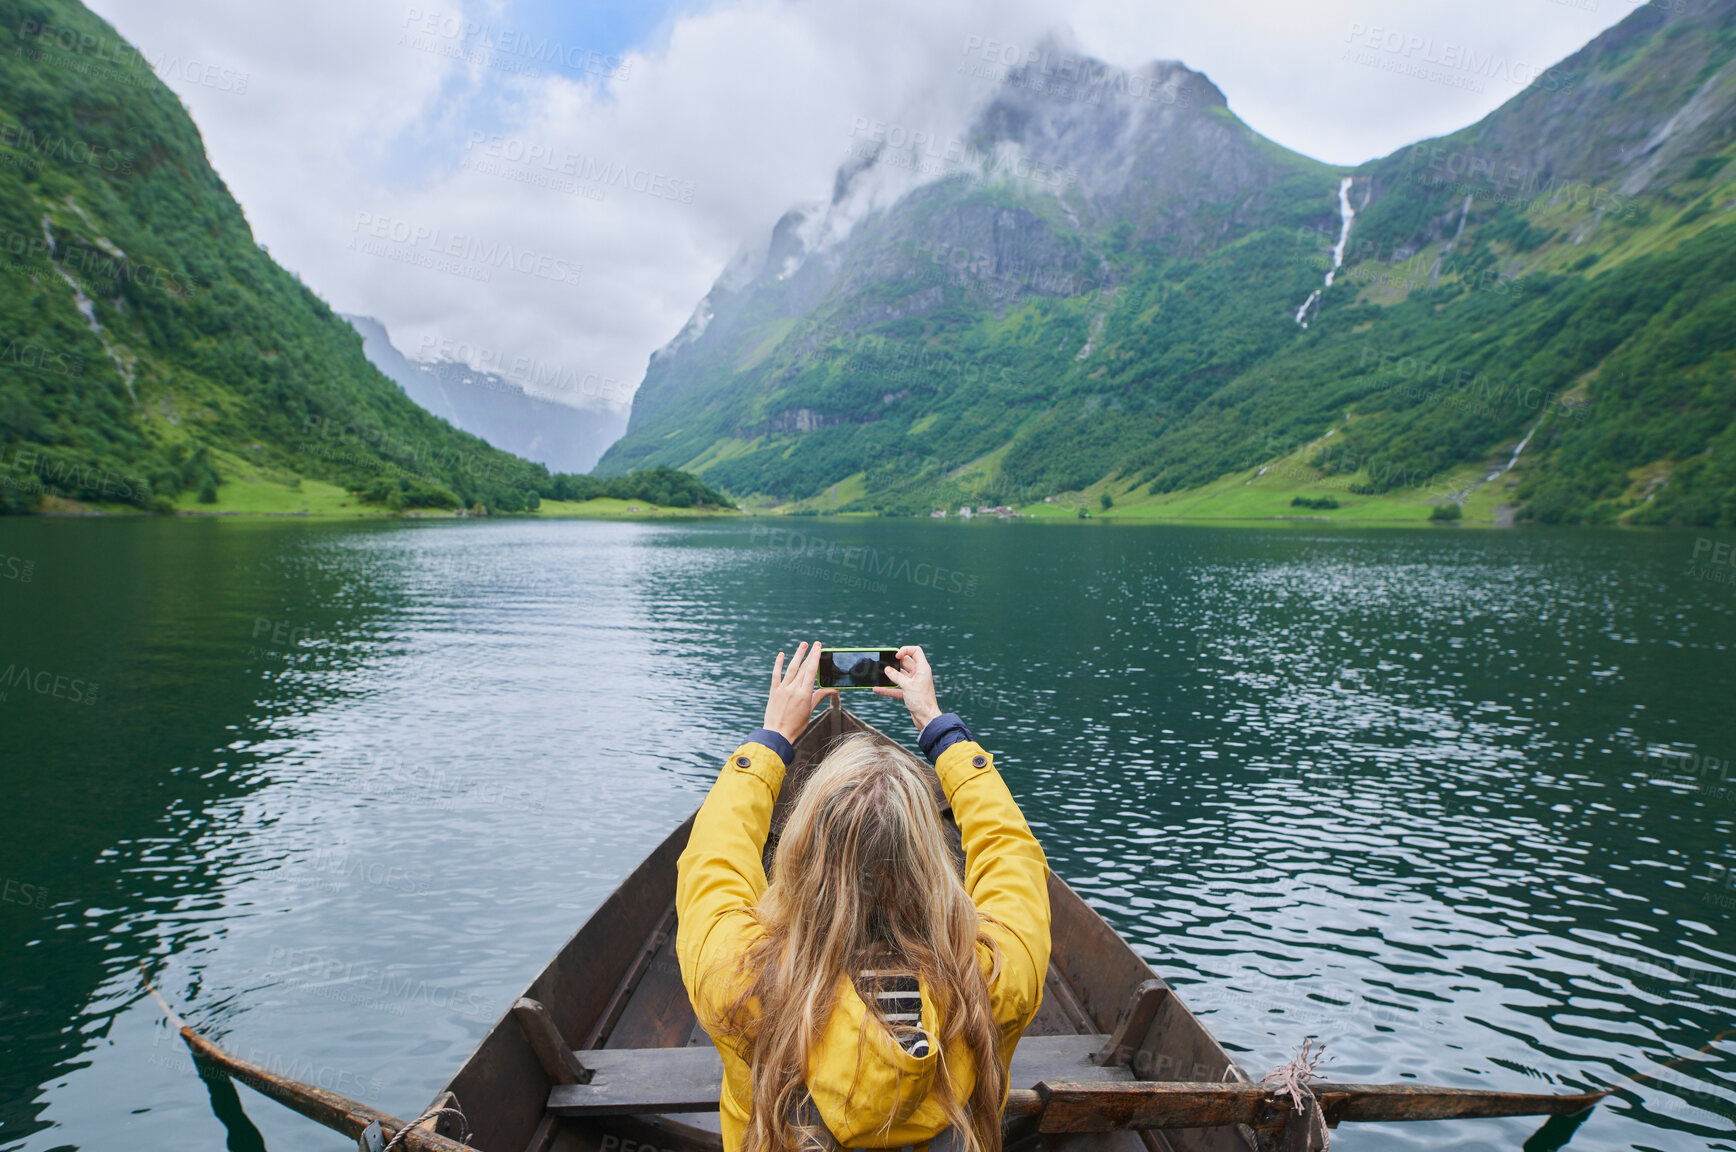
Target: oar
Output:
[
  {"x": 1111, "y": 1106},
  {"x": 339, "y": 1113}
]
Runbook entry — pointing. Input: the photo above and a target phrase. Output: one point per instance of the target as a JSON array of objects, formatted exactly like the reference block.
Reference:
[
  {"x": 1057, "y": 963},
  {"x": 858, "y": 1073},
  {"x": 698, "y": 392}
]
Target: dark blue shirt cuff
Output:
[
  {"x": 942, "y": 733},
  {"x": 775, "y": 741}
]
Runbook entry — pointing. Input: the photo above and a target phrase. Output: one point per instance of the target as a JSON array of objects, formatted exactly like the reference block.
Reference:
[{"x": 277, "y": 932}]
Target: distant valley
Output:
[{"x": 497, "y": 408}]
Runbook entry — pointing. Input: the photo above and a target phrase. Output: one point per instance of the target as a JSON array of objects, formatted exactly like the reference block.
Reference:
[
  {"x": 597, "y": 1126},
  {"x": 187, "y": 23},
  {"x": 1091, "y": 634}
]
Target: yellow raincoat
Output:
[{"x": 891, "y": 1100}]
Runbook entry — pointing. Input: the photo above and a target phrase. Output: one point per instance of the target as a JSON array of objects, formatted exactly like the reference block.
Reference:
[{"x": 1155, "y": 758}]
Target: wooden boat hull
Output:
[{"x": 616, "y": 985}]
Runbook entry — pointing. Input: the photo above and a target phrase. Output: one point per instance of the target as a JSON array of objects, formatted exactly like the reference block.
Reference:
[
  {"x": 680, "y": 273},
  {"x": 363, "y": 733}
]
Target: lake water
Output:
[{"x": 1453, "y": 802}]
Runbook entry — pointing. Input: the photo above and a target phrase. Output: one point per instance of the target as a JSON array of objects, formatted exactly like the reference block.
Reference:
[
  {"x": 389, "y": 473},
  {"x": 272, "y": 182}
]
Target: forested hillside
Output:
[
  {"x": 1559, "y": 277},
  {"x": 152, "y": 354}
]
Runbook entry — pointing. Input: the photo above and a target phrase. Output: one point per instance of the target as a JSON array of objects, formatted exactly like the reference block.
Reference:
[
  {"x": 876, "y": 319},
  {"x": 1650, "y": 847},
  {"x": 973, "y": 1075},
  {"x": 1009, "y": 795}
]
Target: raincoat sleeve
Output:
[
  {"x": 720, "y": 876},
  {"x": 1006, "y": 875}
]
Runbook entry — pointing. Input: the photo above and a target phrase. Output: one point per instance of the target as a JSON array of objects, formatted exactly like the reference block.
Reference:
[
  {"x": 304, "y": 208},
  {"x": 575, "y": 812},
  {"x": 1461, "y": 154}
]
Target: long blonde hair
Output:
[{"x": 863, "y": 878}]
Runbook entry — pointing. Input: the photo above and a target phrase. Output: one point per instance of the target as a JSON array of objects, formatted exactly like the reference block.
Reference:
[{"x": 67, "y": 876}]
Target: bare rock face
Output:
[{"x": 1066, "y": 149}]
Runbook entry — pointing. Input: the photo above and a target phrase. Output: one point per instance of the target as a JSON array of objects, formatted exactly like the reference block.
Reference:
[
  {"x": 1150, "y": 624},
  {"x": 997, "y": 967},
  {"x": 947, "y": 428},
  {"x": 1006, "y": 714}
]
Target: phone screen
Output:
[{"x": 856, "y": 667}]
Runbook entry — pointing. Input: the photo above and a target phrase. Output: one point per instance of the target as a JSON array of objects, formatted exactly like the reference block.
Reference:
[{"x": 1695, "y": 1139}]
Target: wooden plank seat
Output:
[{"x": 628, "y": 1081}]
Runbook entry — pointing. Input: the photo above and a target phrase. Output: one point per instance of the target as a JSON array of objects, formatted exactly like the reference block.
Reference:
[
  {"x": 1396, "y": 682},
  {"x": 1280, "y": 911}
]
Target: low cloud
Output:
[{"x": 568, "y": 203}]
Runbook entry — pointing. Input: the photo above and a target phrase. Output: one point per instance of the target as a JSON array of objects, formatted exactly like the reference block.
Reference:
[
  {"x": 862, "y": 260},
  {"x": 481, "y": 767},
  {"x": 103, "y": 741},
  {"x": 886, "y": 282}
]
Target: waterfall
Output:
[
  {"x": 1508, "y": 467},
  {"x": 88, "y": 310},
  {"x": 1447, "y": 248},
  {"x": 1346, "y": 216},
  {"x": 85, "y": 307}
]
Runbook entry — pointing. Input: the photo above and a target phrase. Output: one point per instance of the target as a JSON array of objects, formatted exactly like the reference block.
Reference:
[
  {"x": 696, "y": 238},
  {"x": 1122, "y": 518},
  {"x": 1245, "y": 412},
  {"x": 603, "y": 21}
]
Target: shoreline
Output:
[
  {"x": 71, "y": 510},
  {"x": 1229, "y": 503},
  {"x": 660, "y": 515}
]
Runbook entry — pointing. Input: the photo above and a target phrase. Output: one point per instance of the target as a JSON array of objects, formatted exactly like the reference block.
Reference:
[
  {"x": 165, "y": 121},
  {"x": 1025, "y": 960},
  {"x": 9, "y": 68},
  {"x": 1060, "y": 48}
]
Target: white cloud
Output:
[{"x": 736, "y": 113}]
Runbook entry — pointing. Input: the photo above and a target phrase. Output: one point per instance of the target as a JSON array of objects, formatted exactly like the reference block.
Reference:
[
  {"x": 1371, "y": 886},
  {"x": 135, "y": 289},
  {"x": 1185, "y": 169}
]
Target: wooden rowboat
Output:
[
  {"x": 603, "y": 1052},
  {"x": 616, "y": 987},
  {"x": 1107, "y": 1021}
]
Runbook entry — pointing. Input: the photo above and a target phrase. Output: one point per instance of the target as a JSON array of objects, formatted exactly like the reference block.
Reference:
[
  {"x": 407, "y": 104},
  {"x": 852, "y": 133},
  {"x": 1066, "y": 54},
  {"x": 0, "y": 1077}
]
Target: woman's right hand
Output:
[
  {"x": 793, "y": 695},
  {"x": 915, "y": 680}
]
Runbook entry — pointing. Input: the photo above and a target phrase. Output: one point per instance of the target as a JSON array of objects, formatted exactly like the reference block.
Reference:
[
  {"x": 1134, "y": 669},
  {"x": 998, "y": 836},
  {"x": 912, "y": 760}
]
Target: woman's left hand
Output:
[{"x": 794, "y": 696}]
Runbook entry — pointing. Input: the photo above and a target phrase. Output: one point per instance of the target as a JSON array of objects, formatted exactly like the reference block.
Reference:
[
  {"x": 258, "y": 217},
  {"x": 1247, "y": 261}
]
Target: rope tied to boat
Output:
[
  {"x": 446, "y": 1105},
  {"x": 1291, "y": 1078}
]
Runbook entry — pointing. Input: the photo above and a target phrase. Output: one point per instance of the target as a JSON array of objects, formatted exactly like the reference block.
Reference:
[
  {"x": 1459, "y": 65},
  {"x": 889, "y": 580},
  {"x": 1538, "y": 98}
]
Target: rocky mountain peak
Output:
[{"x": 1056, "y": 120}]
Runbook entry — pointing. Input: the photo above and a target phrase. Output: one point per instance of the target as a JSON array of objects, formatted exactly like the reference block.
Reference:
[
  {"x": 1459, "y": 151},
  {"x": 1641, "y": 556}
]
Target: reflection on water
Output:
[{"x": 1453, "y": 802}]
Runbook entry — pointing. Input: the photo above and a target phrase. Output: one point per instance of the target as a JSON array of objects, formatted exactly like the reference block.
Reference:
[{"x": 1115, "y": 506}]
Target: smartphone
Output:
[{"x": 857, "y": 667}]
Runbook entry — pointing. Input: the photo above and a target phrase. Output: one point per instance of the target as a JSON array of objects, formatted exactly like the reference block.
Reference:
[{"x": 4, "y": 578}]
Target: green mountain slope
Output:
[
  {"x": 1561, "y": 269},
  {"x": 150, "y": 351}
]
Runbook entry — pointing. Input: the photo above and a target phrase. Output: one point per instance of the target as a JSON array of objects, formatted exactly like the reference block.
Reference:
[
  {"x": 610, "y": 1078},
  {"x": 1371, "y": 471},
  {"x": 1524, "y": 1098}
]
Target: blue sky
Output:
[
  {"x": 608, "y": 26},
  {"x": 568, "y": 40}
]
